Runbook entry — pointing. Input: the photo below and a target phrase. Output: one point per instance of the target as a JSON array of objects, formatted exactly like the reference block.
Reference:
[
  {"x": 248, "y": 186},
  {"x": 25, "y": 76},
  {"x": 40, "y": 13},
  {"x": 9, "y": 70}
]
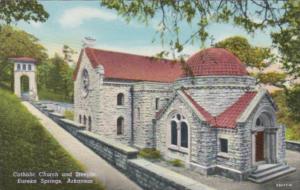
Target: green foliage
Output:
[
  {"x": 281, "y": 18},
  {"x": 48, "y": 94},
  {"x": 15, "y": 10},
  {"x": 16, "y": 43},
  {"x": 173, "y": 15},
  {"x": 55, "y": 80},
  {"x": 150, "y": 153},
  {"x": 27, "y": 146},
  {"x": 252, "y": 56},
  {"x": 176, "y": 163},
  {"x": 69, "y": 115},
  {"x": 272, "y": 78},
  {"x": 286, "y": 116},
  {"x": 293, "y": 101},
  {"x": 287, "y": 39}
]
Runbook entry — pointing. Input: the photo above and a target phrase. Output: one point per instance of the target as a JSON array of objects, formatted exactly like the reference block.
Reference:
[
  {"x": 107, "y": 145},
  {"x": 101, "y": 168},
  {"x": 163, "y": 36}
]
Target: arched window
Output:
[
  {"x": 90, "y": 123},
  {"x": 179, "y": 131},
  {"x": 120, "y": 99},
  {"x": 173, "y": 132},
  {"x": 80, "y": 119},
  {"x": 120, "y": 125},
  {"x": 184, "y": 134},
  {"x": 259, "y": 122},
  {"x": 84, "y": 120}
]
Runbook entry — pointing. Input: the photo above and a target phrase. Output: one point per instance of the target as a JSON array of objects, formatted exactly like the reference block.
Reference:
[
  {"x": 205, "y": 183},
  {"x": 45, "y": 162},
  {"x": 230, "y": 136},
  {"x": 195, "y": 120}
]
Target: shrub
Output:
[
  {"x": 150, "y": 153},
  {"x": 69, "y": 115},
  {"x": 176, "y": 163}
]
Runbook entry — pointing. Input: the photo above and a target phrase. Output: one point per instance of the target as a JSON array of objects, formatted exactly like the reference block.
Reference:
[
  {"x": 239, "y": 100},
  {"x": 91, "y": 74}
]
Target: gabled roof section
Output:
[
  {"x": 259, "y": 96},
  {"x": 126, "y": 66},
  {"x": 184, "y": 98},
  {"x": 78, "y": 65},
  {"x": 228, "y": 118},
  {"x": 208, "y": 117}
]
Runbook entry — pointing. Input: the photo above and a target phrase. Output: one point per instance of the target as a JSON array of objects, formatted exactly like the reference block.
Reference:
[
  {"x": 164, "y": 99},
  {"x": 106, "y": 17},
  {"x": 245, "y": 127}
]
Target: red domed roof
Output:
[{"x": 215, "y": 61}]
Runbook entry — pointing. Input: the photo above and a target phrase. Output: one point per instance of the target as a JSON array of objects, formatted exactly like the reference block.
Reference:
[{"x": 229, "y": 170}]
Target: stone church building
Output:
[{"x": 211, "y": 115}]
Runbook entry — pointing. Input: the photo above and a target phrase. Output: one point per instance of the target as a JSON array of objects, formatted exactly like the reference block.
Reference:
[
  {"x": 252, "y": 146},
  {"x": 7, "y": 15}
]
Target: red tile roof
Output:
[
  {"x": 226, "y": 119},
  {"x": 230, "y": 115},
  {"x": 132, "y": 67},
  {"x": 215, "y": 61},
  {"x": 23, "y": 59},
  {"x": 208, "y": 117}
]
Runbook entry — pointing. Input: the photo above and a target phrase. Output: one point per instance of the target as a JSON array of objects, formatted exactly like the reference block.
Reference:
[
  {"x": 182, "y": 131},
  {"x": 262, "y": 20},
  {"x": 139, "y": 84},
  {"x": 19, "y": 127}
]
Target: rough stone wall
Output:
[
  {"x": 145, "y": 94},
  {"x": 238, "y": 147},
  {"x": 113, "y": 152},
  {"x": 245, "y": 145},
  {"x": 293, "y": 145},
  {"x": 110, "y": 111},
  {"x": 194, "y": 129},
  {"x": 281, "y": 143},
  {"x": 215, "y": 94},
  {"x": 32, "y": 80},
  {"x": 90, "y": 105}
]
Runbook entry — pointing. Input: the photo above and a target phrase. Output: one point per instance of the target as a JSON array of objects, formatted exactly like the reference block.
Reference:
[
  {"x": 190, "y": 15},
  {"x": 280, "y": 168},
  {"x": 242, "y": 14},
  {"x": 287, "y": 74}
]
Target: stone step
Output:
[
  {"x": 263, "y": 168},
  {"x": 269, "y": 171},
  {"x": 273, "y": 176}
]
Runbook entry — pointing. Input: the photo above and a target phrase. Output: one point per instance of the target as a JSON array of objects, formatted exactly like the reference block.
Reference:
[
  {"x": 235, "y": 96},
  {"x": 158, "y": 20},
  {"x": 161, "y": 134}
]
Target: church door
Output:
[{"x": 259, "y": 139}]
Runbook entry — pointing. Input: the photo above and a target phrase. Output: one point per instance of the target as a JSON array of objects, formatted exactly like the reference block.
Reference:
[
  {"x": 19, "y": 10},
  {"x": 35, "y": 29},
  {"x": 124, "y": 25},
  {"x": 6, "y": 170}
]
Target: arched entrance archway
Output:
[
  {"x": 264, "y": 141},
  {"x": 24, "y": 78}
]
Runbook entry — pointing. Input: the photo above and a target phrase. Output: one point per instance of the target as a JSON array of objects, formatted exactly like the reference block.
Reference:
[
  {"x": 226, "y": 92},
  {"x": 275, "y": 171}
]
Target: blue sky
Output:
[{"x": 70, "y": 22}]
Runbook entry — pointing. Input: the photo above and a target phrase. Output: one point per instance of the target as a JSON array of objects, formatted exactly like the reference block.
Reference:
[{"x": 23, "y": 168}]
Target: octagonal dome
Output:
[{"x": 215, "y": 61}]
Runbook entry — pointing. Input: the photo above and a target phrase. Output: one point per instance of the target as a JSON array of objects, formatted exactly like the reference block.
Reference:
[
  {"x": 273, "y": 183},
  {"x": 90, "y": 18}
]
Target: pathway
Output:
[{"x": 110, "y": 177}]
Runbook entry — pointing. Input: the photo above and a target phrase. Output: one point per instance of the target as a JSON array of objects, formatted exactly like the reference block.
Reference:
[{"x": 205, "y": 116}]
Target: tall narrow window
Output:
[
  {"x": 179, "y": 132},
  {"x": 156, "y": 103},
  {"x": 18, "y": 67},
  {"x": 24, "y": 67},
  {"x": 120, "y": 125},
  {"x": 120, "y": 99},
  {"x": 184, "y": 135},
  {"x": 173, "y": 133},
  {"x": 80, "y": 119},
  {"x": 138, "y": 113},
  {"x": 90, "y": 123},
  {"x": 29, "y": 67},
  {"x": 84, "y": 121}
]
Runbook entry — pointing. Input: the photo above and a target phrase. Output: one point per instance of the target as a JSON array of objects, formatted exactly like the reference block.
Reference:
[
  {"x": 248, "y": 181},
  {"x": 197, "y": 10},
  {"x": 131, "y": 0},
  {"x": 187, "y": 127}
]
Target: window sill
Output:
[
  {"x": 178, "y": 149},
  {"x": 121, "y": 106},
  {"x": 223, "y": 155}
]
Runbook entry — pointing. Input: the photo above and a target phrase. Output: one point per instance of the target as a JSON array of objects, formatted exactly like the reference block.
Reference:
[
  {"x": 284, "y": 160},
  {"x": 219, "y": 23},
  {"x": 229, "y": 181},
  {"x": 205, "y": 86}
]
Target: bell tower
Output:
[{"x": 25, "y": 85}]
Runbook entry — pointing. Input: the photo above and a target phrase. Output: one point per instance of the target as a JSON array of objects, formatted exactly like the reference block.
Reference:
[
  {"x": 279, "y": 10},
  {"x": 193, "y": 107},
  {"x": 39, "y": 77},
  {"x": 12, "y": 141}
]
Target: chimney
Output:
[{"x": 88, "y": 42}]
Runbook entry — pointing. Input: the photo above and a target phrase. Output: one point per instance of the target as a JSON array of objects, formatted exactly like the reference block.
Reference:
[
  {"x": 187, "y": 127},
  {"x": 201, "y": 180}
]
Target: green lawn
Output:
[{"x": 26, "y": 146}]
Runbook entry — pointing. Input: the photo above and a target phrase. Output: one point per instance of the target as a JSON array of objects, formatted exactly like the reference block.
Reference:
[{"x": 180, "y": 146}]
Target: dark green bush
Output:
[
  {"x": 69, "y": 115},
  {"x": 176, "y": 163},
  {"x": 150, "y": 153}
]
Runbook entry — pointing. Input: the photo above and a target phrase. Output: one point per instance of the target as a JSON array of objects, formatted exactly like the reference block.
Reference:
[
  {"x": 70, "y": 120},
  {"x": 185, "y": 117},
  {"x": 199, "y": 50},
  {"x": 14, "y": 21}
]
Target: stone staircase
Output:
[{"x": 268, "y": 172}]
